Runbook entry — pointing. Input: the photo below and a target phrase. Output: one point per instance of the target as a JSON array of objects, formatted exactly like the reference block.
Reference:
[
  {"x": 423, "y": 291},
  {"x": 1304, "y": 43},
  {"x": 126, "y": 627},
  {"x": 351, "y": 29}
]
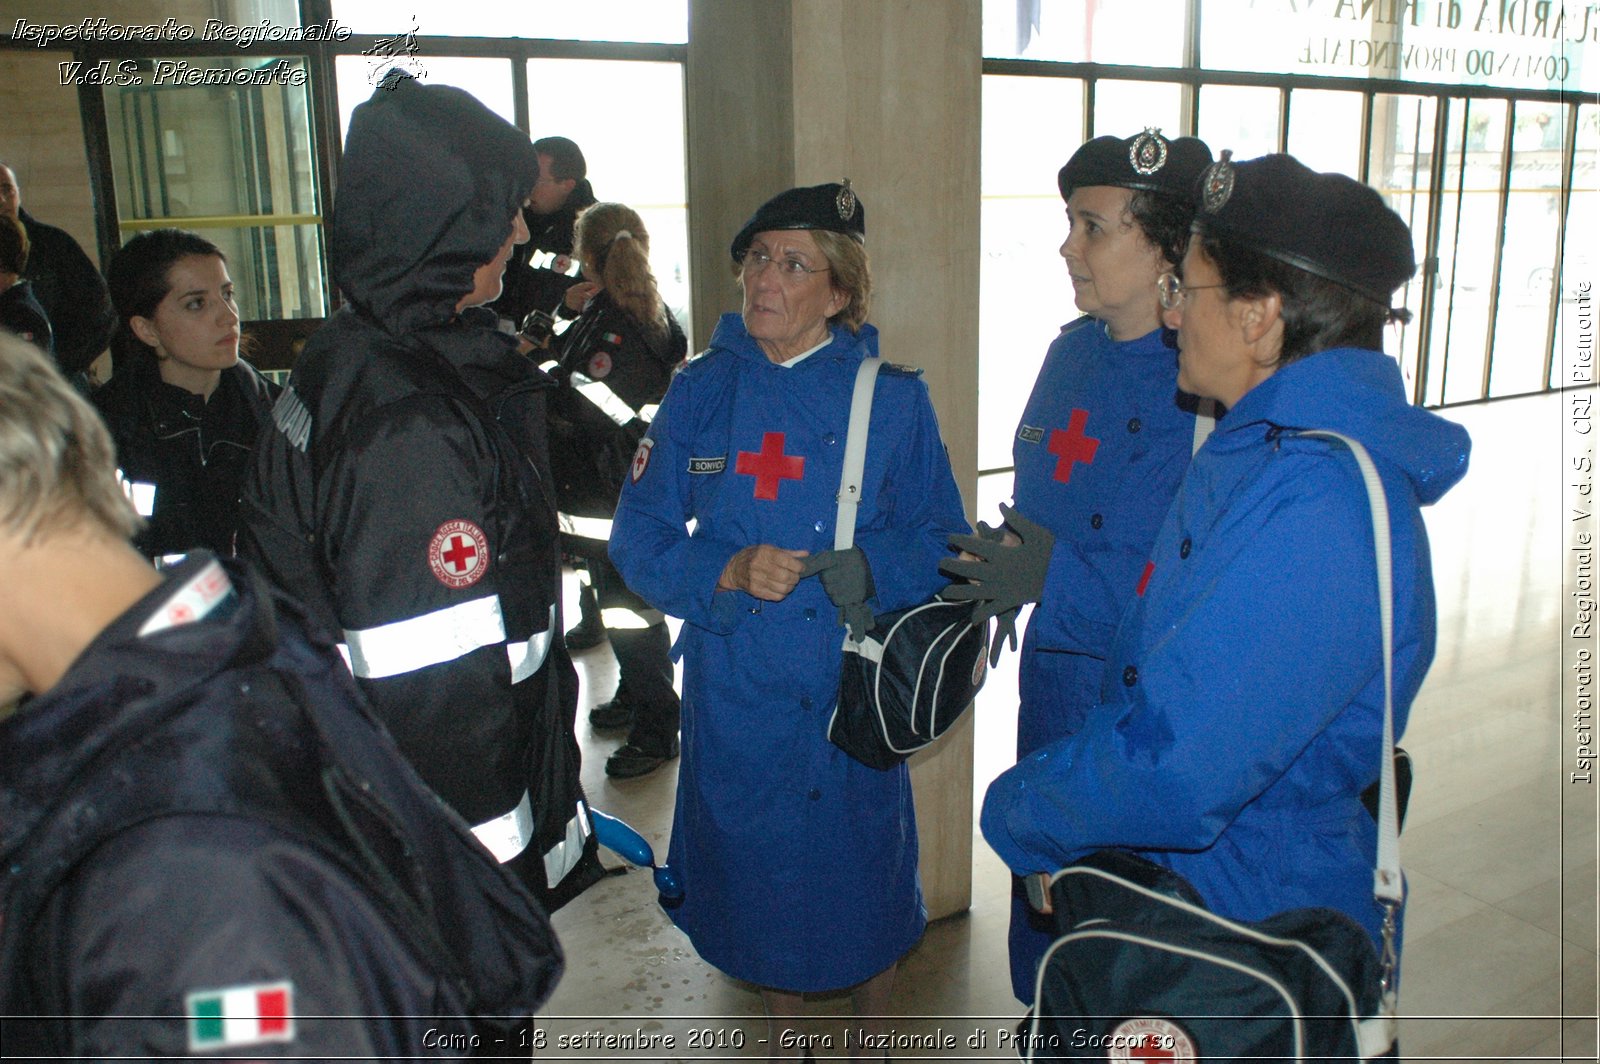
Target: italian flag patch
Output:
[{"x": 240, "y": 1016}]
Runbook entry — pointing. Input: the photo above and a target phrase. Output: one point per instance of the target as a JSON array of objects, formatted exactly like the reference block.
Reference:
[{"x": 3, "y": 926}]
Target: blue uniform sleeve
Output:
[
  {"x": 1271, "y": 633},
  {"x": 918, "y": 507},
  {"x": 651, "y": 545}
]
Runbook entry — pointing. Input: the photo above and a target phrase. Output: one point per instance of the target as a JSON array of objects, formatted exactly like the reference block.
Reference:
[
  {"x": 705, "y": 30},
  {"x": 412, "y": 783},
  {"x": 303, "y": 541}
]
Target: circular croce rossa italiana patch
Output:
[{"x": 458, "y": 554}]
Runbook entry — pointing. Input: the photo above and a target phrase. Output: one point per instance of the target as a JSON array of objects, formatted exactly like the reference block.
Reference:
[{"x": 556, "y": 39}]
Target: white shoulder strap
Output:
[
  {"x": 855, "y": 454},
  {"x": 1387, "y": 886}
]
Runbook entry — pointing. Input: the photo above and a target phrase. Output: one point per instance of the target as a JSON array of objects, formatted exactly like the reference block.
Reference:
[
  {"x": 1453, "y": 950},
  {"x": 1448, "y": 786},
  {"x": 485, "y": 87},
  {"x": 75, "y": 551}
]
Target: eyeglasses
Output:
[
  {"x": 751, "y": 262},
  {"x": 1173, "y": 291}
]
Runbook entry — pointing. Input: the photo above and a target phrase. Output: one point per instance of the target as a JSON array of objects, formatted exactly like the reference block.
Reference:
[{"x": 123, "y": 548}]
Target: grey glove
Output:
[
  {"x": 1005, "y": 624},
  {"x": 847, "y": 578},
  {"x": 1004, "y": 578}
]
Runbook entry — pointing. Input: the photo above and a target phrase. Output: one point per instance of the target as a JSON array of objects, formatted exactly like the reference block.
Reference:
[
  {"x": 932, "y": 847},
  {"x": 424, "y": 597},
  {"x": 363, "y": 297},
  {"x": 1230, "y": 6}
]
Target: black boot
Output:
[{"x": 588, "y": 633}]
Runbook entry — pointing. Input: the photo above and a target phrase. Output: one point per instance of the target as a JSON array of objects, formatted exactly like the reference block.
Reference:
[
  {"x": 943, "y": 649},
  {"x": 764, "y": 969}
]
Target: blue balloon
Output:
[{"x": 617, "y": 836}]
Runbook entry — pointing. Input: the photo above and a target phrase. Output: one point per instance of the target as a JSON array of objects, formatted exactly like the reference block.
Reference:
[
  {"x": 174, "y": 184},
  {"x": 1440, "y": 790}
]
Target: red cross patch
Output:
[
  {"x": 1070, "y": 445},
  {"x": 641, "y": 458},
  {"x": 1150, "y": 1038},
  {"x": 459, "y": 554},
  {"x": 770, "y": 466},
  {"x": 599, "y": 364}
]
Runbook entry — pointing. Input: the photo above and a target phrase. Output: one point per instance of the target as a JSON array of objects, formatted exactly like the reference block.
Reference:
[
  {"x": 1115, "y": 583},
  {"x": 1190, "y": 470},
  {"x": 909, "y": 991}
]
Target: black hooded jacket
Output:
[
  {"x": 202, "y": 803},
  {"x": 403, "y": 491}
]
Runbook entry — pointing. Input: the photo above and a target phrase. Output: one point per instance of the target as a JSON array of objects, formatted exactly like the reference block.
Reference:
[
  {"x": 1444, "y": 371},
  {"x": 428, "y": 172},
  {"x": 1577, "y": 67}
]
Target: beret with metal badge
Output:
[
  {"x": 834, "y": 207},
  {"x": 1146, "y": 162},
  {"x": 1329, "y": 225}
]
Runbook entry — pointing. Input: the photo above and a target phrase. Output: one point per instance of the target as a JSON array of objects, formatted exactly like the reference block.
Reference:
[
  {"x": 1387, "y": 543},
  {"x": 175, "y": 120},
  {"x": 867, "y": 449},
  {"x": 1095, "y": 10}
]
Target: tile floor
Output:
[{"x": 1500, "y": 849}]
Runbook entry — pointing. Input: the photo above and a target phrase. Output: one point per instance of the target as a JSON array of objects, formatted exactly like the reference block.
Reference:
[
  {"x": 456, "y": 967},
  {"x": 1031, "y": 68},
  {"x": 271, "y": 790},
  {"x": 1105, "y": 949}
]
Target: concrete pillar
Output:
[{"x": 886, "y": 92}]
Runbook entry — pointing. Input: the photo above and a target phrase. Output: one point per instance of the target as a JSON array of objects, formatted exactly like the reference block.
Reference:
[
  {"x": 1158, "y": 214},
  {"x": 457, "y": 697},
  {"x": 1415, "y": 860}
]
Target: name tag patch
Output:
[
  {"x": 708, "y": 465},
  {"x": 1030, "y": 434}
]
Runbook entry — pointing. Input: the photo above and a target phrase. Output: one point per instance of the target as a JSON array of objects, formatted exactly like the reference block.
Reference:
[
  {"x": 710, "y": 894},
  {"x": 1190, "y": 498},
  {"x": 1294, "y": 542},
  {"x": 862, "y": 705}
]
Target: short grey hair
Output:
[{"x": 58, "y": 467}]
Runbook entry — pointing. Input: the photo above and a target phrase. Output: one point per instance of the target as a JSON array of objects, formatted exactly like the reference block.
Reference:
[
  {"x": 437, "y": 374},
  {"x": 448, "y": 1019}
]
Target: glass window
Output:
[
  {"x": 1148, "y": 33},
  {"x": 233, "y": 162},
  {"x": 1024, "y": 294},
  {"x": 1241, "y": 118},
  {"x": 1123, "y": 108},
  {"x": 628, "y": 119},
  {"x": 1401, "y": 169},
  {"x": 1468, "y": 238},
  {"x": 487, "y": 79},
  {"x": 1528, "y": 260},
  {"x": 1574, "y": 361},
  {"x": 1325, "y": 130},
  {"x": 644, "y": 21}
]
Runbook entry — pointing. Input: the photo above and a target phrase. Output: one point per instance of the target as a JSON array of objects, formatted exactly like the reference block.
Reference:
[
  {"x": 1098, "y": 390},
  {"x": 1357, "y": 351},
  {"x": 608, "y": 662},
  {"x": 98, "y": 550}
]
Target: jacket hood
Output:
[
  {"x": 430, "y": 181},
  {"x": 1360, "y": 394}
]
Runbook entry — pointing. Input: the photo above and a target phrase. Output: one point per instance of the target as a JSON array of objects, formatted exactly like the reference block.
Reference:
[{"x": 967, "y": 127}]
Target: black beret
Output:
[
  {"x": 1148, "y": 162},
  {"x": 1329, "y": 225},
  {"x": 833, "y": 207}
]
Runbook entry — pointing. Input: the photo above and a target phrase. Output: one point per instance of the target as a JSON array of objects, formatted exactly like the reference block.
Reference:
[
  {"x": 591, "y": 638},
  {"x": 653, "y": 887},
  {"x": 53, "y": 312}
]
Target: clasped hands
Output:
[
  {"x": 770, "y": 573},
  {"x": 1005, "y": 569}
]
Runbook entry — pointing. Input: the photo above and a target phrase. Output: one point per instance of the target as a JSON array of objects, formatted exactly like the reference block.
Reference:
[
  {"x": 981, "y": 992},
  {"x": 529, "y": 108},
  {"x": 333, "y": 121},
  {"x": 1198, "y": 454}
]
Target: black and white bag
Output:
[
  {"x": 1143, "y": 970},
  {"x": 918, "y": 669}
]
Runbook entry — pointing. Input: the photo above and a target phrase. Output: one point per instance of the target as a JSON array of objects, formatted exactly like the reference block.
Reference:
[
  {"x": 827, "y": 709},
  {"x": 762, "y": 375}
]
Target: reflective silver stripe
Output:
[
  {"x": 609, "y": 402},
  {"x": 527, "y": 657},
  {"x": 509, "y": 833},
  {"x": 292, "y": 419},
  {"x": 647, "y": 412},
  {"x": 622, "y": 617},
  {"x": 587, "y": 527},
  {"x": 551, "y": 366},
  {"x": 415, "y": 643},
  {"x": 560, "y": 858}
]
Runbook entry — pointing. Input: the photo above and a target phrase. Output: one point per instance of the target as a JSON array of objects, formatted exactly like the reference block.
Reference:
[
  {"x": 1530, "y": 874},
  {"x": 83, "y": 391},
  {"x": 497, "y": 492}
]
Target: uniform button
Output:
[
  {"x": 828, "y": 438},
  {"x": 818, "y": 526},
  {"x": 815, "y": 795},
  {"x": 1130, "y": 676},
  {"x": 805, "y": 703},
  {"x": 811, "y": 614},
  {"x": 1095, "y": 521},
  {"x": 1134, "y": 425},
  {"x": 1183, "y": 548},
  {"x": 756, "y": 608}
]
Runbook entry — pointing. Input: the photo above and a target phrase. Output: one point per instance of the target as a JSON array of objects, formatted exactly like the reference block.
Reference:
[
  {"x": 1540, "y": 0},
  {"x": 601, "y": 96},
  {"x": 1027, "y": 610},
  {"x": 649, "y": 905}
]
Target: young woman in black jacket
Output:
[{"x": 184, "y": 411}]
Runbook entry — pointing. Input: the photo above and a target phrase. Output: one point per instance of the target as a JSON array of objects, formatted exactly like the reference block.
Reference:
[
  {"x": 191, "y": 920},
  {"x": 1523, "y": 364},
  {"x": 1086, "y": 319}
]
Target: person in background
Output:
[
  {"x": 19, "y": 309},
  {"x": 540, "y": 287},
  {"x": 1101, "y": 447},
  {"x": 616, "y": 361},
  {"x": 211, "y": 847},
  {"x": 183, "y": 409},
  {"x": 1241, "y": 713},
  {"x": 403, "y": 491},
  {"x": 798, "y": 863},
  {"x": 68, "y": 286}
]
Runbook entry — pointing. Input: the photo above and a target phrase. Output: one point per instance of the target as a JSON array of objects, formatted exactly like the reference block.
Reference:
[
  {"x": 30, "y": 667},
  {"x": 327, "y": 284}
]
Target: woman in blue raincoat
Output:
[
  {"x": 798, "y": 864},
  {"x": 1241, "y": 715}
]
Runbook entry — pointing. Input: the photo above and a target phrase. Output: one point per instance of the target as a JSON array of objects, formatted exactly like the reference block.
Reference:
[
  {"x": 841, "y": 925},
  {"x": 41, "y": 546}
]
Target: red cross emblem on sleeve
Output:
[
  {"x": 770, "y": 466},
  {"x": 1071, "y": 445},
  {"x": 458, "y": 554}
]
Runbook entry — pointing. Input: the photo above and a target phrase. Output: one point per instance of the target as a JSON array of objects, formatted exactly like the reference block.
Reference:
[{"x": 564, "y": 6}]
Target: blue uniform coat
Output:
[
  {"x": 799, "y": 864},
  {"x": 1099, "y": 453},
  {"x": 1241, "y": 714}
]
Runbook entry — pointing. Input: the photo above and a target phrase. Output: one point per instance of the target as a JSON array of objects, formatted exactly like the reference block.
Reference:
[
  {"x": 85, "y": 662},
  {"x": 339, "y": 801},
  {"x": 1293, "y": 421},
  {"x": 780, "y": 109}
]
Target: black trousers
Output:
[{"x": 644, "y": 660}]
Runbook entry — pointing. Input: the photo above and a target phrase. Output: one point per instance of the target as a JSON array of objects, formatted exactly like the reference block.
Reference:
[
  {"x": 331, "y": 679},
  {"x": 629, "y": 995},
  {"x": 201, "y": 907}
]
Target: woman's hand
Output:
[
  {"x": 579, "y": 295},
  {"x": 767, "y": 572}
]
